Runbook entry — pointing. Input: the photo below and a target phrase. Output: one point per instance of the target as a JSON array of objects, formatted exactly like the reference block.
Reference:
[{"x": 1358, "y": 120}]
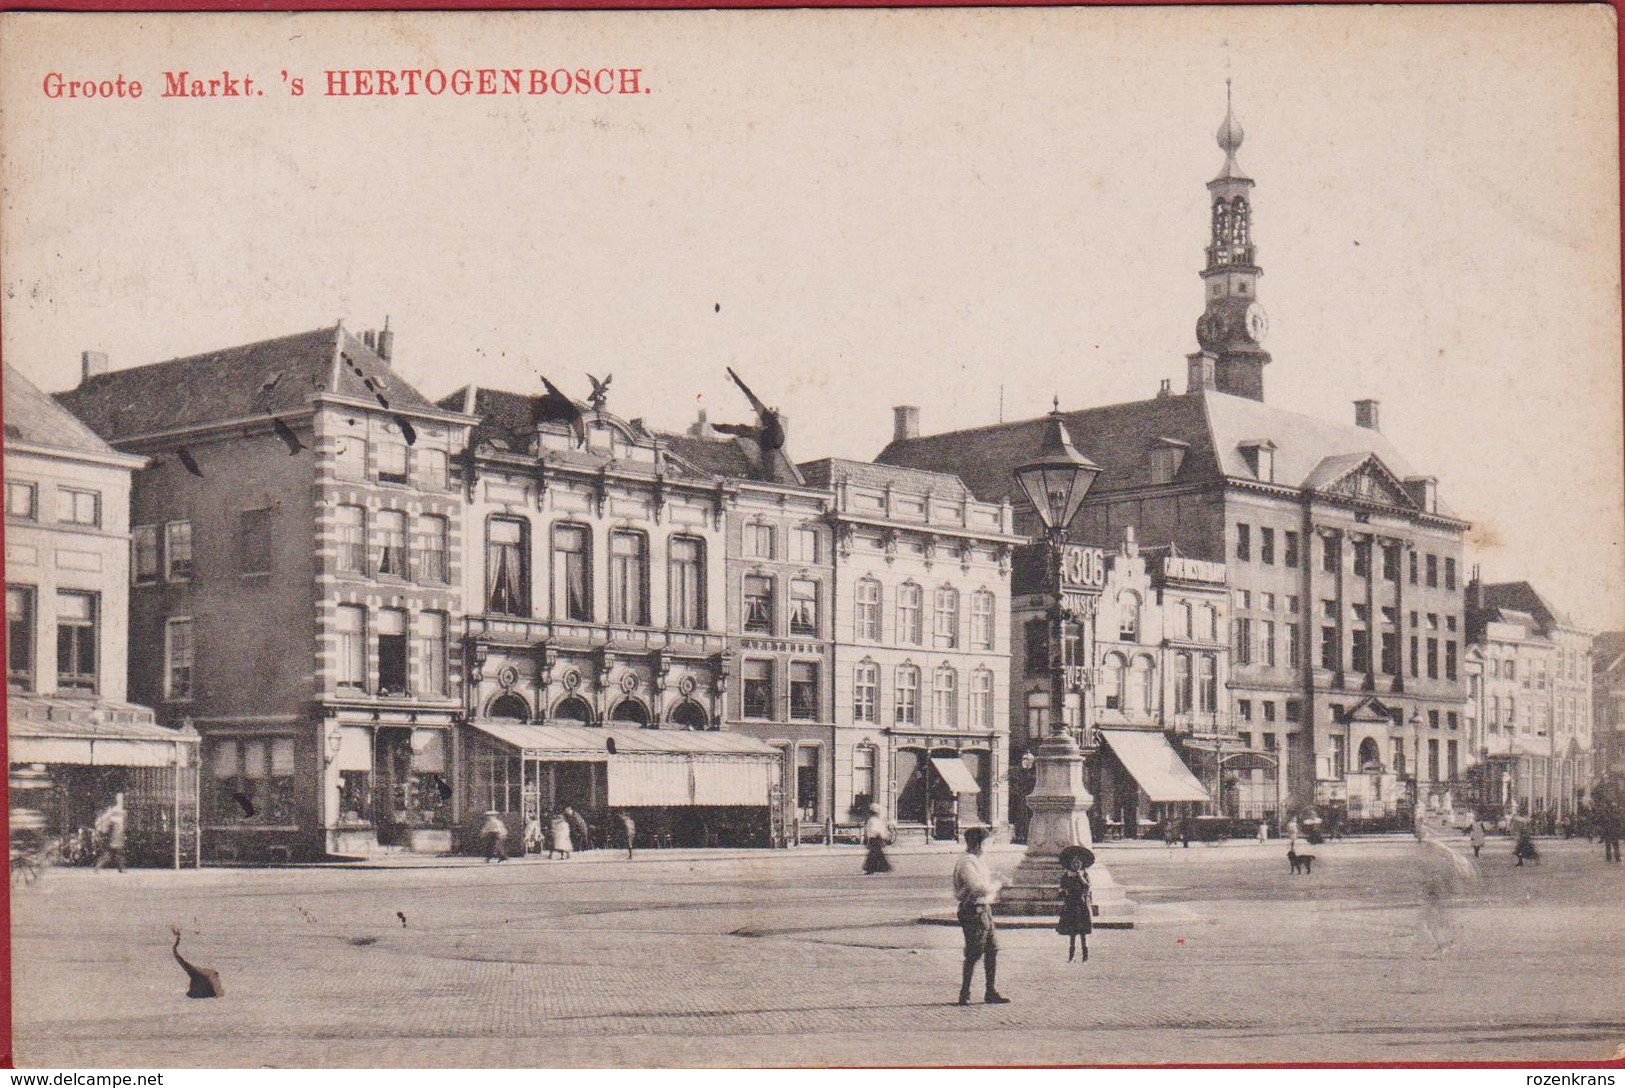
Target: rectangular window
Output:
[
  {"x": 1340, "y": 756},
  {"x": 1390, "y": 653},
  {"x": 1433, "y": 759},
  {"x": 350, "y": 458},
  {"x": 1399, "y": 756},
  {"x": 391, "y": 463},
  {"x": 389, "y": 544},
  {"x": 803, "y": 691},
  {"x": 1294, "y": 710},
  {"x": 1450, "y": 583},
  {"x": 392, "y": 668},
  {"x": 1450, "y": 659},
  {"x": 628, "y": 578},
  {"x": 22, "y": 500},
  {"x": 432, "y": 470},
  {"x": 1361, "y": 649},
  {"x": 1294, "y": 650},
  {"x": 803, "y": 607},
  {"x": 507, "y": 567},
  {"x": 1266, "y": 545},
  {"x": 20, "y": 638},
  {"x": 1328, "y": 608},
  {"x": 178, "y": 550},
  {"x": 1362, "y": 559},
  {"x": 866, "y": 693},
  {"x": 1331, "y": 554},
  {"x": 1266, "y": 601},
  {"x": 909, "y": 604},
  {"x": 254, "y": 542},
  {"x": 804, "y": 545},
  {"x": 866, "y": 618},
  {"x": 350, "y": 651},
  {"x": 945, "y": 626},
  {"x": 1244, "y": 709},
  {"x": 1433, "y": 659},
  {"x": 178, "y": 648},
  {"x": 1293, "y": 604},
  {"x": 1452, "y": 719},
  {"x": 981, "y": 699},
  {"x": 759, "y": 603},
  {"x": 1416, "y": 656},
  {"x": 1182, "y": 684},
  {"x": 1452, "y": 755},
  {"x": 1269, "y": 714},
  {"x": 144, "y": 554},
  {"x": 431, "y": 557},
  {"x": 78, "y": 507},
  {"x": 1390, "y": 563},
  {"x": 572, "y": 572},
  {"x": 1331, "y": 649},
  {"x": 981, "y": 620},
  {"x": 351, "y": 533},
  {"x": 758, "y": 674},
  {"x": 1207, "y": 689},
  {"x": 1266, "y": 641},
  {"x": 1244, "y": 642},
  {"x": 432, "y": 651},
  {"x": 759, "y": 541},
  {"x": 945, "y": 699},
  {"x": 1290, "y": 558},
  {"x": 907, "y": 710},
  {"x": 76, "y": 641},
  {"x": 1244, "y": 542},
  {"x": 1433, "y": 570},
  {"x": 1036, "y": 641},
  {"x": 1416, "y": 565},
  {"x": 685, "y": 583}
]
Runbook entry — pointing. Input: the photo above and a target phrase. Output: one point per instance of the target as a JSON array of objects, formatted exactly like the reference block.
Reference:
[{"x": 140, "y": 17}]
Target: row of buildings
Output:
[{"x": 296, "y": 608}]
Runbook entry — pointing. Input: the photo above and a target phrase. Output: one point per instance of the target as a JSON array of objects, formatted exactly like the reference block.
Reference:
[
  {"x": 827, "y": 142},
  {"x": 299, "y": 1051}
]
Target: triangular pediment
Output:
[
  {"x": 1368, "y": 480},
  {"x": 1369, "y": 710}
]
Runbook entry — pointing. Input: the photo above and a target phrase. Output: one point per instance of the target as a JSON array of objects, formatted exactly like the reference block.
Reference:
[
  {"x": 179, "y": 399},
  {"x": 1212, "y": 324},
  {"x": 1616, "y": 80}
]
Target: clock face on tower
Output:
[{"x": 1258, "y": 326}]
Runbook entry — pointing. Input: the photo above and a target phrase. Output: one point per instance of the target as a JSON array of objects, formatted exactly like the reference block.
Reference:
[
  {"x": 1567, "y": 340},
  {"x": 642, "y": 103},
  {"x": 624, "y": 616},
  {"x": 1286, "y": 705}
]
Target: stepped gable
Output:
[{"x": 237, "y": 383}]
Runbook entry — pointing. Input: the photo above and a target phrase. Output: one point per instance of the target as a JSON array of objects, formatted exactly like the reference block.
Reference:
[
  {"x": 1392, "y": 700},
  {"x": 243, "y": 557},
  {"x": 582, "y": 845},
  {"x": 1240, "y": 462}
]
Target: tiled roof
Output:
[
  {"x": 830, "y": 471},
  {"x": 731, "y": 457},
  {"x": 32, "y": 416},
  {"x": 235, "y": 383},
  {"x": 1213, "y": 428},
  {"x": 1522, "y": 597}
]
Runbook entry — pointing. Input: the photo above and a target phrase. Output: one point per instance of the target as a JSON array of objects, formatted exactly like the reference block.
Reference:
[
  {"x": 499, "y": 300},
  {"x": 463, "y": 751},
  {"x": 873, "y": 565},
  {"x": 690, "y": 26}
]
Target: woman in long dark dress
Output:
[
  {"x": 1076, "y": 921},
  {"x": 877, "y": 833}
]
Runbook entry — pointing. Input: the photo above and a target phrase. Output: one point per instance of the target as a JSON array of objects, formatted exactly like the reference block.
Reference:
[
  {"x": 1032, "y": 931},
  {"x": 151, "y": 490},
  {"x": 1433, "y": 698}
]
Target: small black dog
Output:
[{"x": 1301, "y": 863}]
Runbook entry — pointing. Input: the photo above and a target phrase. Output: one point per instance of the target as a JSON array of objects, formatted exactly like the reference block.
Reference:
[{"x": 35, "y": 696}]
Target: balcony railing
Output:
[{"x": 517, "y": 630}]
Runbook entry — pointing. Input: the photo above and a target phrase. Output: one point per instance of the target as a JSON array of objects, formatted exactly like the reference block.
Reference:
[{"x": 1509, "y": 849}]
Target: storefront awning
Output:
[
  {"x": 47, "y": 731},
  {"x": 956, "y": 774},
  {"x": 595, "y": 744},
  {"x": 1155, "y": 765}
]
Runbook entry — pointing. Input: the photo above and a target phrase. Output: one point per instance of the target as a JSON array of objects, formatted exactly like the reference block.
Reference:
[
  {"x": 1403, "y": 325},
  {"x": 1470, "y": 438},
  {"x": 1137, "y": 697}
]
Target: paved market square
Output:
[{"x": 1392, "y": 951}]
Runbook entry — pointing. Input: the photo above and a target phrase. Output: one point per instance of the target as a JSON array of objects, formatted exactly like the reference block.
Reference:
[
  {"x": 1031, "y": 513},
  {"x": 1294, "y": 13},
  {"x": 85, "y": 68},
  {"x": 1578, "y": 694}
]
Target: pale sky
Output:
[{"x": 889, "y": 207}]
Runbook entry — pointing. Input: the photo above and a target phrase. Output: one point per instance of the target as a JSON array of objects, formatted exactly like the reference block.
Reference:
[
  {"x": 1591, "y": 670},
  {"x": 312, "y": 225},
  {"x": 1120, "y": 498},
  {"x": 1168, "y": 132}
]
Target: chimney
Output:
[
  {"x": 386, "y": 342},
  {"x": 701, "y": 428},
  {"x": 1365, "y": 414},
  {"x": 906, "y": 422},
  {"x": 369, "y": 338},
  {"x": 1201, "y": 372},
  {"x": 92, "y": 364},
  {"x": 1166, "y": 389}
]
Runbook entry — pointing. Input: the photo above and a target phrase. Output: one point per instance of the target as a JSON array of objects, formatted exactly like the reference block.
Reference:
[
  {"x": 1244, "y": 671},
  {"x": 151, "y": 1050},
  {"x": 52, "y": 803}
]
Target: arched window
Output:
[
  {"x": 1221, "y": 221},
  {"x": 510, "y": 707},
  {"x": 690, "y": 715},
  {"x": 1111, "y": 681},
  {"x": 1128, "y": 621},
  {"x": 1210, "y": 628},
  {"x": 1143, "y": 686},
  {"x": 573, "y": 709},
  {"x": 631, "y": 712},
  {"x": 1208, "y": 692},
  {"x": 1370, "y": 756},
  {"x": 1238, "y": 221},
  {"x": 866, "y": 618},
  {"x": 1182, "y": 683},
  {"x": 1187, "y": 620},
  {"x": 945, "y": 698}
]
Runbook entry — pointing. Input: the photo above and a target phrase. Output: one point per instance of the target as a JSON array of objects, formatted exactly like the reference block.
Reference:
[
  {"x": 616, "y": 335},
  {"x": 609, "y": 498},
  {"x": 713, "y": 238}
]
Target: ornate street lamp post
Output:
[{"x": 1055, "y": 483}]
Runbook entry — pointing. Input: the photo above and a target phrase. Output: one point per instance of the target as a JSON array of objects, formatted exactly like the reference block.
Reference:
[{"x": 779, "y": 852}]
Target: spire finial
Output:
[{"x": 1056, "y": 407}]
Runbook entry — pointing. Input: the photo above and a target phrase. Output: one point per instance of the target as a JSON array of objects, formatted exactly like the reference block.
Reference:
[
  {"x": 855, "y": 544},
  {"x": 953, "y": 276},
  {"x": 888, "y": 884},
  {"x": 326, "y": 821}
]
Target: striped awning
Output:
[
  {"x": 1154, "y": 764},
  {"x": 956, "y": 774}
]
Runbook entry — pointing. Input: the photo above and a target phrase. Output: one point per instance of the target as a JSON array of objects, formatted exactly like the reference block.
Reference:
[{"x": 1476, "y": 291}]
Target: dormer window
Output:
[
  {"x": 1166, "y": 457},
  {"x": 1261, "y": 459}
]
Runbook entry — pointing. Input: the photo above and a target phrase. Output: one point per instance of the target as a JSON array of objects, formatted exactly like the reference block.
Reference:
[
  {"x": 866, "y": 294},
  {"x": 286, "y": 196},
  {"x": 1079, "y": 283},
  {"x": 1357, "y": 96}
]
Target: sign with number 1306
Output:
[{"x": 1082, "y": 567}]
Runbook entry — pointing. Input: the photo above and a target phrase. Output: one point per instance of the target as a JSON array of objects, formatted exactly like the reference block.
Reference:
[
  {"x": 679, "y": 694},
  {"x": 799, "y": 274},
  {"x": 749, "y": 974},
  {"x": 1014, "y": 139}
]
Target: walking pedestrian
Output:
[
  {"x": 578, "y": 825},
  {"x": 629, "y": 827},
  {"x": 111, "y": 825},
  {"x": 1525, "y": 849},
  {"x": 1475, "y": 835},
  {"x": 560, "y": 842},
  {"x": 1263, "y": 832},
  {"x": 494, "y": 831},
  {"x": 1185, "y": 832},
  {"x": 1609, "y": 827},
  {"x": 977, "y": 890},
  {"x": 1167, "y": 833},
  {"x": 877, "y": 834},
  {"x": 1076, "y": 922}
]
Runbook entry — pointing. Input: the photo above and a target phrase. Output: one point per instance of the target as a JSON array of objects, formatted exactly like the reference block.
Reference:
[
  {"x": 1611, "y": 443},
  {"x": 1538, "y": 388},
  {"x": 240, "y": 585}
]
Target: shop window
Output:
[
  {"x": 77, "y": 622},
  {"x": 629, "y": 578},
  {"x": 803, "y": 691},
  {"x": 392, "y": 669},
  {"x": 178, "y": 550},
  {"x": 863, "y": 779},
  {"x": 178, "y": 649},
  {"x": 249, "y": 781},
  {"x": 20, "y": 638},
  {"x": 803, "y": 607},
  {"x": 807, "y": 760},
  {"x": 758, "y": 679},
  {"x": 686, "y": 583},
  {"x": 759, "y": 603},
  {"x": 507, "y": 567}
]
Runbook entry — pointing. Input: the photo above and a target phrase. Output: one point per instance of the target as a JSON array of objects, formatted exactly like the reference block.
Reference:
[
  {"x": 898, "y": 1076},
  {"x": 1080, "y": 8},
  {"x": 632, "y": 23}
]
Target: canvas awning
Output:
[
  {"x": 1155, "y": 765},
  {"x": 956, "y": 774},
  {"x": 44, "y": 730}
]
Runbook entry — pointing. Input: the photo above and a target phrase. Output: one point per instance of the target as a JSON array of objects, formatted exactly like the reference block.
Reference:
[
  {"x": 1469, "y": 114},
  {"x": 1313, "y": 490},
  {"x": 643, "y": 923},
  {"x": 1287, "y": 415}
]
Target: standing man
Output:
[
  {"x": 578, "y": 825},
  {"x": 494, "y": 831},
  {"x": 629, "y": 826},
  {"x": 977, "y": 890},
  {"x": 111, "y": 825}
]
